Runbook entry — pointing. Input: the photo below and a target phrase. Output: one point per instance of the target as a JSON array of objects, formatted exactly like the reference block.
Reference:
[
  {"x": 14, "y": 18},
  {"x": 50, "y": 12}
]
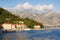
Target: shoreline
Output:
[
  {"x": 9, "y": 31},
  {"x": 39, "y": 29}
]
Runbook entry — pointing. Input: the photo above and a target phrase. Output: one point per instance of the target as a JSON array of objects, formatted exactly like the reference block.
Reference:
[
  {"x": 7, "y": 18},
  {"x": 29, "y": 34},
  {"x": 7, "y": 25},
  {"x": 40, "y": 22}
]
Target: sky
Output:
[{"x": 30, "y": 4}]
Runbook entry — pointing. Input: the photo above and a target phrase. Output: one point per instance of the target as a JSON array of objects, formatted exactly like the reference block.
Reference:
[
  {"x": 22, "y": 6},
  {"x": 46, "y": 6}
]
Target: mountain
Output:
[
  {"x": 48, "y": 18},
  {"x": 52, "y": 18},
  {"x": 6, "y": 16}
]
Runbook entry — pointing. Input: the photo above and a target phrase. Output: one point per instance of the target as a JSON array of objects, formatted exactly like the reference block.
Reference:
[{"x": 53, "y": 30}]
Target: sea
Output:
[{"x": 49, "y": 34}]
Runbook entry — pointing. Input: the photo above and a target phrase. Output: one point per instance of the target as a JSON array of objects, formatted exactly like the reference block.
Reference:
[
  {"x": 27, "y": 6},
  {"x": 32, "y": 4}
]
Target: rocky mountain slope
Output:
[{"x": 49, "y": 18}]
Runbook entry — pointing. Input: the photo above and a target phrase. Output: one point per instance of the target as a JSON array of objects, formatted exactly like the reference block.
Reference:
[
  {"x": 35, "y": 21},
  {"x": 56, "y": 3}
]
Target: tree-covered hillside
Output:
[{"x": 6, "y": 16}]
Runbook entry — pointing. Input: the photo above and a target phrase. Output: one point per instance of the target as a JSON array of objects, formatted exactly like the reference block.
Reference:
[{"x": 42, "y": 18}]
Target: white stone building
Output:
[
  {"x": 8, "y": 26},
  {"x": 37, "y": 27},
  {"x": 21, "y": 26}
]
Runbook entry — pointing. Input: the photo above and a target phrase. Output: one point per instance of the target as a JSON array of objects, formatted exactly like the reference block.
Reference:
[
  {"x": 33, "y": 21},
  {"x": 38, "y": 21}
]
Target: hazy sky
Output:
[{"x": 55, "y": 4}]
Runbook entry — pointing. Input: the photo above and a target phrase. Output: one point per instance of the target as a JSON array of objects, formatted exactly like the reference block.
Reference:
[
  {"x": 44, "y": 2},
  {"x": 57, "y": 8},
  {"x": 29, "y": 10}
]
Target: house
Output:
[
  {"x": 21, "y": 22},
  {"x": 37, "y": 27},
  {"x": 13, "y": 26},
  {"x": 8, "y": 26},
  {"x": 21, "y": 26}
]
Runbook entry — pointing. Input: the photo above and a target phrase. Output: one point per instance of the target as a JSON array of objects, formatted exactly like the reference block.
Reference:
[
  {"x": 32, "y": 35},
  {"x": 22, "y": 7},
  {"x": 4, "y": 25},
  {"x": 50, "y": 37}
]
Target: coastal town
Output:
[
  {"x": 9, "y": 27},
  {"x": 11, "y": 23},
  {"x": 29, "y": 20},
  {"x": 21, "y": 26}
]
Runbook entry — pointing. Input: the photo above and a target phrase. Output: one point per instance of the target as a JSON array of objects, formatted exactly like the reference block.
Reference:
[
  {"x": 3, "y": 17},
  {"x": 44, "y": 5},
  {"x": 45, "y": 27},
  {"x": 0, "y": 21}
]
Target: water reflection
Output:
[
  {"x": 33, "y": 35},
  {"x": 15, "y": 36}
]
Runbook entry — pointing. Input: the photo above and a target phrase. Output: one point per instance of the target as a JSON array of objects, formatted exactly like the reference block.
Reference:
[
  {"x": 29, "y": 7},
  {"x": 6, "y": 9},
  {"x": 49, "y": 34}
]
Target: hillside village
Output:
[
  {"x": 22, "y": 26},
  {"x": 10, "y": 21}
]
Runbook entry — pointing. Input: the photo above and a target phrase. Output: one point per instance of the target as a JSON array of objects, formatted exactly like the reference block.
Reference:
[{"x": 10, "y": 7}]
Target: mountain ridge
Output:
[{"x": 49, "y": 18}]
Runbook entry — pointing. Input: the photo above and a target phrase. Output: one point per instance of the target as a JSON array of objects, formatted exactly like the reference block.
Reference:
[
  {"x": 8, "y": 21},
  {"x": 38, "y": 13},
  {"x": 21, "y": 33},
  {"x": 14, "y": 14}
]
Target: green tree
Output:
[
  {"x": 30, "y": 23},
  {"x": 6, "y": 16},
  {"x": 1, "y": 27}
]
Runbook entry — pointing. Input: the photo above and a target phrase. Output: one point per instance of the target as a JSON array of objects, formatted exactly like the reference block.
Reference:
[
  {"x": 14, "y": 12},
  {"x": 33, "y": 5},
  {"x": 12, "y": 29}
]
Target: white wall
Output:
[{"x": 7, "y": 26}]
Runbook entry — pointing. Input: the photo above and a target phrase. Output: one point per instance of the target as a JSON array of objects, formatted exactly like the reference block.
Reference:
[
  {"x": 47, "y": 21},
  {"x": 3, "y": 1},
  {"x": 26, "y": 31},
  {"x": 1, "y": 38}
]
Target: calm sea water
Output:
[{"x": 53, "y": 34}]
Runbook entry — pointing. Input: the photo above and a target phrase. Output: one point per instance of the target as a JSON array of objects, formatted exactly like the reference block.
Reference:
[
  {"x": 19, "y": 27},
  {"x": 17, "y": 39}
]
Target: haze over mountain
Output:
[
  {"x": 49, "y": 18},
  {"x": 28, "y": 6},
  {"x": 40, "y": 13}
]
